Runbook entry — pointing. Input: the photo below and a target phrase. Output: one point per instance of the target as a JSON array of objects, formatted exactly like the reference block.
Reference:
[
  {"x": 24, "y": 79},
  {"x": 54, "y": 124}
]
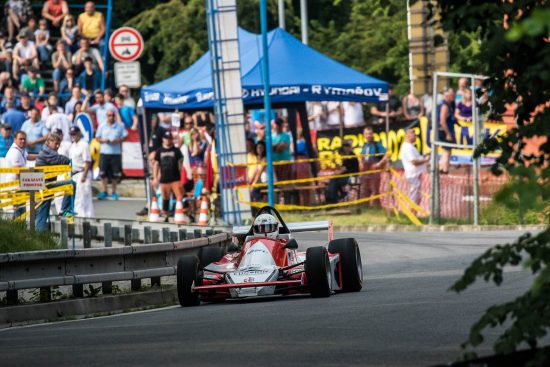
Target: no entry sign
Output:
[{"x": 126, "y": 44}]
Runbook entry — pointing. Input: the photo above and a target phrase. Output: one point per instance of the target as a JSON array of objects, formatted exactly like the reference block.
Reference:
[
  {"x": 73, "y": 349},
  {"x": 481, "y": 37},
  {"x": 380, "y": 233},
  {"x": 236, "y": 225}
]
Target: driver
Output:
[{"x": 265, "y": 225}]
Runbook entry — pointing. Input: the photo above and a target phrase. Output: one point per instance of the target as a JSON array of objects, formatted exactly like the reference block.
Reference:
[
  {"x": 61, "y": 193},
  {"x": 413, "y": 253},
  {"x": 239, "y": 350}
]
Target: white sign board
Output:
[
  {"x": 128, "y": 73},
  {"x": 126, "y": 44},
  {"x": 31, "y": 181},
  {"x": 383, "y": 97}
]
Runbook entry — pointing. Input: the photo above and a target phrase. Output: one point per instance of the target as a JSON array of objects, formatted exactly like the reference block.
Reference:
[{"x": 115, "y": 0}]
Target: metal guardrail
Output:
[{"x": 45, "y": 269}]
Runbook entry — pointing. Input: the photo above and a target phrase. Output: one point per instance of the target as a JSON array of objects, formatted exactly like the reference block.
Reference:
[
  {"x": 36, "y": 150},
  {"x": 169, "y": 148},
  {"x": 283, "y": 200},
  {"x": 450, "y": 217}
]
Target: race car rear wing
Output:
[{"x": 296, "y": 227}]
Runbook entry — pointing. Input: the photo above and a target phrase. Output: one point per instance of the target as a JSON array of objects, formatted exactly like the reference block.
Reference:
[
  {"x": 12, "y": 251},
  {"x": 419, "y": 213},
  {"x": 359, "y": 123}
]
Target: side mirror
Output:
[
  {"x": 291, "y": 244},
  {"x": 232, "y": 248}
]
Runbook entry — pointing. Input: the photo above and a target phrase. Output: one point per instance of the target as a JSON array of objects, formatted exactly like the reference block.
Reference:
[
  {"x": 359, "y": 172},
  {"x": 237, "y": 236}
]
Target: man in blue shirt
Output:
[
  {"x": 5, "y": 139},
  {"x": 13, "y": 117},
  {"x": 36, "y": 132},
  {"x": 127, "y": 113},
  {"x": 373, "y": 157},
  {"x": 280, "y": 145},
  {"x": 101, "y": 108},
  {"x": 110, "y": 135}
]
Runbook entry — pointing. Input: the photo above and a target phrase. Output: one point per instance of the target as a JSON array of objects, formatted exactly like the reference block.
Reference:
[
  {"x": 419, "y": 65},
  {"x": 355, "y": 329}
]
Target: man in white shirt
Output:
[
  {"x": 16, "y": 157},
  {"x": 79, "y": 153},
  {"x": 334, "y": 114},
  {"x": 57, "y": 120},
  {"x": 353, "y": 114},
  {"x": 51, "y": 106},
  {"x": 414, "y": 165}
]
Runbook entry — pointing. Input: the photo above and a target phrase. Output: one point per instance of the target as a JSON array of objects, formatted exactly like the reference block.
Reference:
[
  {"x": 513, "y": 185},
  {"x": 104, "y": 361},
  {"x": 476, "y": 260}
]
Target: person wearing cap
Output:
[
  {"x": 36, "y": 132},
  {"x": 168, "y": 160},
  {"x": 110, "y": 135},
  {"x": 81, "y": 160},
  {"x": 5, "y": 139},
  {"x": 13, "y": 117},
  {"x": 24, "y": 55},
  {"x": 34, "y": 84}
]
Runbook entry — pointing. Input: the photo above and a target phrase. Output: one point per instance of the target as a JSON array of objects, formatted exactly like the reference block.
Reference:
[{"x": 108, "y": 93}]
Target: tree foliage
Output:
[{"x": 515, "y": 49}]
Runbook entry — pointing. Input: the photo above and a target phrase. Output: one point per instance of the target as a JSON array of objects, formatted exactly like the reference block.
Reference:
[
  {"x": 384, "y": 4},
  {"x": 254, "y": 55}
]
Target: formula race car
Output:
[{"x": 266, "y": 263}]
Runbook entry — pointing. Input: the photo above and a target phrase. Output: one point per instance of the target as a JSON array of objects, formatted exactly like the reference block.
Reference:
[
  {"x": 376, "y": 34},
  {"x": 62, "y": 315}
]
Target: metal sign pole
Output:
[
  {"x": 434, "y": 197},
  {"x": 106, "y": 43},
  {"x": 32, "y": 210},
  {"x": 476, "y": 160}
]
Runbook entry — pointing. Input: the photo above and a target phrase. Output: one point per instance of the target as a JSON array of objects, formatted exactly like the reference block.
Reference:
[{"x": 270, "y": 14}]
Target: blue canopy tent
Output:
[{"x": 298, "y": 73}]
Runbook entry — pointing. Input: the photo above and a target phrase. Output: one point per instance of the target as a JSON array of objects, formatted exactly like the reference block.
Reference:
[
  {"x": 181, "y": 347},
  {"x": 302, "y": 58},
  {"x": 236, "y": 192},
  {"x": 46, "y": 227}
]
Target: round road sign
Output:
[{"x": 126, "y": 44}]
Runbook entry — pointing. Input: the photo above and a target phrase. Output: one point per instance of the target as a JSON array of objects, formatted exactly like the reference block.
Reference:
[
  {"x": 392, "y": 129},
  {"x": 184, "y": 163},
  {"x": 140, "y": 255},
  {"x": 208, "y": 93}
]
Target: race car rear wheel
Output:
[
  {"x": 351, "y": 265},
  {"x": 187, "y": 277},
  {"x": 210, "y": 254},
  {"x": 318, "y": 271}
]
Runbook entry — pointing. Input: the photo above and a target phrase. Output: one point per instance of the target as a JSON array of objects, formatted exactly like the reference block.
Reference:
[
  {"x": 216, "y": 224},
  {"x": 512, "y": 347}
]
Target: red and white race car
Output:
[{"x": 267, "y": 263}]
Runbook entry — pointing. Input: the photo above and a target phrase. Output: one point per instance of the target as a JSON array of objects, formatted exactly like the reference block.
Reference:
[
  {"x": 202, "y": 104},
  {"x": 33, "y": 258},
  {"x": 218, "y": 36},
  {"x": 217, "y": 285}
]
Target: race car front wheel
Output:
[
  {"x": 210, "y": 254},
  {"x": 318, "y": 272},
  {"x": 351, "y": 278},
  {"x": 187, "y": 277}
]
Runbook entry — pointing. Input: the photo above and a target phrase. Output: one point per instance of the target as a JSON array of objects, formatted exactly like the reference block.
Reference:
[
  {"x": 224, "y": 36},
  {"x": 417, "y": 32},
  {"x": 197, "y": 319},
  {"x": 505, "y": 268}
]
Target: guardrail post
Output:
[
  {"x": 182, "y": 234},
  {"x": 93, "y": 231},
  {"x": 107, "y": 287},
  {"x": 87, "y": 234},
  {"x": 135, "y": 235},
  {"x": 12, "y": 297},
  {"x": 198, "y": 233},
  {"x": 173, "y": 236},
  {"x": 147, "y": 235},
  {"x": 64, "y": 233},
  {"x": 190, "y": 235},
  {"x": 78, "y": 290},
  {"x": 209, "y": 232},
  {"x": 108, "y": 234},
  {"x": 45, "y": 294},
  {"x": 156, "y": 236},
  {"x": 166, "y": 235},
  {"x": 127, "y": 235}
]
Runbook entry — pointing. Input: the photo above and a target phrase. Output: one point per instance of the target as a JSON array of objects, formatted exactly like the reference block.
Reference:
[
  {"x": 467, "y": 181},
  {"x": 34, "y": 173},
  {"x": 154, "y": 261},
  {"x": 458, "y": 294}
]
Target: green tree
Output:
[{"x": 517, "y": 63}]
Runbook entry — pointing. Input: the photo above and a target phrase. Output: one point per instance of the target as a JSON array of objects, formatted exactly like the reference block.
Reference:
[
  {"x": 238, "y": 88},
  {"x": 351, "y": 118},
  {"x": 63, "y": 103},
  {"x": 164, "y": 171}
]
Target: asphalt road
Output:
[{"x": 404, "y": 316}]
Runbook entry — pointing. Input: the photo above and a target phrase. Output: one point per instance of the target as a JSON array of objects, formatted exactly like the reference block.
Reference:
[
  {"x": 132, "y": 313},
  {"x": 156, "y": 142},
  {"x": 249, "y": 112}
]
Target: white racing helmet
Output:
[{"x": 266, "y": 225}]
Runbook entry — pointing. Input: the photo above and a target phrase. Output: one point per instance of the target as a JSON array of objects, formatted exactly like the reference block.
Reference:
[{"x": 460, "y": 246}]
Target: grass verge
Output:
[{"x": 16, "y": 237}]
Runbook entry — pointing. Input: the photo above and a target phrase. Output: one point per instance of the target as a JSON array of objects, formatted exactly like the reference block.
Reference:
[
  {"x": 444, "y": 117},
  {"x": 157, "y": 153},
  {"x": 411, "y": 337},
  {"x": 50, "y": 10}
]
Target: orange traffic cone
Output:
[
  {"x": 154, "y": 212},
  {"x": 203, "y": 214},
  {"x": 179, "y": 217}
]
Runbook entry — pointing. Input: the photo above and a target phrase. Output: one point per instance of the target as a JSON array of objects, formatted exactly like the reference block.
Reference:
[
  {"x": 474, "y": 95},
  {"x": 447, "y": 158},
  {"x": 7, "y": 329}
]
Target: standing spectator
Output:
[
  {"x": 446, "y": 119},
  {"x": 184, "y": 133},
  {"x": 51, "y": 106},
  {"x": 378, "y": 111},
  {"x": 353, "y": 114},
  {"x": 25, "y": 105},
  {"x": 168, "y": 160},
  {"x": 281, "y": 151},
  {"x": 91, "y": 25},
  {"x": 61, "y": 62},
  {"x": 349, "y": 165},
  {"x": 374, "y": 157},
  {"x": 13, "y": 117},
  {"x": 59, "y": 122},
  {"x": 69, "y": 33},
  {"x": 414, "y": 165},
  {"x": 5, "y": 139},
  {"x": 316, "y": 116},
  {"x": 86, "y": 52},
  {"x": 36, "y": 132},
  {"x": 101, "y": 108},
  {"x": 110, "y": 135},
  {"x": 90, "y": 78},
  {"x": 260, "y": 175},
  {"x": 128, "y": 100},
  {"x": 334, "y": 114},
  {"x": 33, "y": 84},
  {"x": 17, "y": 13},
  {"x": 54, "y": 11},
  {"x": 463, "y": 85},
  {"x": 5, "y": 59},
  {"x": 17, "y": 157},
  {"x": 81, "y": 162},
  {"x": 413, "y": 107},
  {"x": 251, "y": 159},
  {"x": 464, "y": 107},
  {"x": 67, "y": 83},
  {"x": 49, "y": 156},
  {"x": 127, "y": 113},
  {"x": 42, "y": 39},
  {"x": 24, "y": 55},
  {"x": 197, "y": 148}
]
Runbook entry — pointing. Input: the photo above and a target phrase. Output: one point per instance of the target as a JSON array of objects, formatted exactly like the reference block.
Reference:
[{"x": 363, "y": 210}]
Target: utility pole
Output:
[{"x": 303, "y": 16}]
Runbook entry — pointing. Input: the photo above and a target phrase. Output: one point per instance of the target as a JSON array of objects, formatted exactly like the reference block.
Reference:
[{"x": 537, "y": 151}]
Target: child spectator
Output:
[
  {"x": 54, "y": 11},
  {"x": 42, "y": 39},
  {"x": 197, "y": 147},
  {"x": 91, "y": 25},
  {"x": 464, "y": 106},
  {"x": 85, "y": 52},
  {"x": 127, "y": 113},
  {"x": 90, "y": 78},
  {"x": 33, "y": 84},
  {"x": 17, "y": 13},
  {"x": 69, "y": 33},
  {"x": 24, "y": 55},
  {"x": 61, "y": 61}
]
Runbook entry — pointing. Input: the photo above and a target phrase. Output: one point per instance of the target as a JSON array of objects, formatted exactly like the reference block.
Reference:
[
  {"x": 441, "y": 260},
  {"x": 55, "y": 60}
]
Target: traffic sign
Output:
[
  {"x": 128, "y": 73},
  {"x": 31, "y": 181},
  {"x": 126, "y": 44},
  {"x": 84, "y": 123}
]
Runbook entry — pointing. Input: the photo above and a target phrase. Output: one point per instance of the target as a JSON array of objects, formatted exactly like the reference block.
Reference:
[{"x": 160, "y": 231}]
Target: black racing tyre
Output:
[
  {"x": 210, "y": 254},
  {"x": 318, "y": 271},
  {"x": 352, "y": 267},
  {"x": 187, "y": 276}
]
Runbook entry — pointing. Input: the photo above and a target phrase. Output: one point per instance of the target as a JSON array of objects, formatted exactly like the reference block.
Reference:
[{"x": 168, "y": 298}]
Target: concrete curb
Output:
[
  {"x": 438, "y": 228},
  {"x": 40, "y": 312}
]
